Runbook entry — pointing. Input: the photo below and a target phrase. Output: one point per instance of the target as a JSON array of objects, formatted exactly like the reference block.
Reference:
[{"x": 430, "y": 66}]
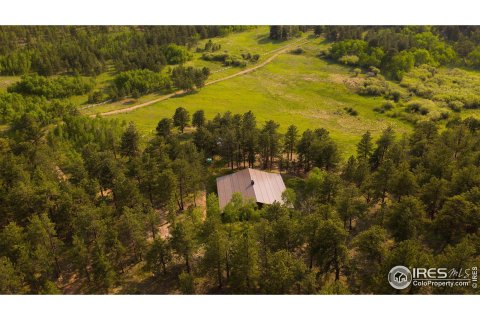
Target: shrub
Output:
[
  {"x": 231, "y": 60},
  {"x": 215, "y": 57},
  {"x": 472, "y": 123},
  {"x": 96, "y": 96},
  {"x": 349, "y": 60},
  {"x": 176, "y": 54},
  {"x": 297, "y": 51},
  {"x": 373, "y": 87},
  {"x": 374, "y": 70},
  {"x": 246, "y": 56},
  {"x": 209, "y": 47},
  {"x": 372, "y": 90},
  {"x": 235, "y": 61},
  {"x": 417, "y": 107},
  {"x": 255, "y": 57},
  {"x": 455, "y": 105},
  {"x": 187, "y": 283},
  {"x": 408, "y": 117},
  {"x": 395, "y": 95},
  {"x": 444, "y": 115},
  {"x": 351, "y": 111},
  {"x": 472, "y": 101},
  {"x": 348, "y": 48},
  {"x": 388, "y": 105}
]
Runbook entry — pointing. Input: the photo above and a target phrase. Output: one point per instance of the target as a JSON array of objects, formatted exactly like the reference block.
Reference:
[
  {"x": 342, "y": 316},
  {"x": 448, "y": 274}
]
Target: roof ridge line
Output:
[{"x": 256, "y": 188}]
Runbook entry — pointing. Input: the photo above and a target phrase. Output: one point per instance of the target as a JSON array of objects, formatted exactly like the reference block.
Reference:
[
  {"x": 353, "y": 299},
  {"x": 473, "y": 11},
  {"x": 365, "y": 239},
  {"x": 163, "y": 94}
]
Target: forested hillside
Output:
[
  {"x": 94, "y": 205},
  {"x": 87, "y": 50},
  {"x": 82, "y": 202}
]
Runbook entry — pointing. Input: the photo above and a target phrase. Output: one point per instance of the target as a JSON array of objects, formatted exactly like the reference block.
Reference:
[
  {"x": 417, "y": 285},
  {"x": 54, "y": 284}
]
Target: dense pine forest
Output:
[{"x": 92, "y": 205}]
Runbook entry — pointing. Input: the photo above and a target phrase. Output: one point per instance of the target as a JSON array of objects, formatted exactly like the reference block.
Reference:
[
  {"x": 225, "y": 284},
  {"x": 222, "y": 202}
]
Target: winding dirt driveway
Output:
[{"x": 275, "y": 54}]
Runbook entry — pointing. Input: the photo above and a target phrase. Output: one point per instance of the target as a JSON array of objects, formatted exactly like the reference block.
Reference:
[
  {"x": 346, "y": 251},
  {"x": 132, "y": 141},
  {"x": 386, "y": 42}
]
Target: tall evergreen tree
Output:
[
  {"x": 198, "y": 119},
  {"x": 181, "y": 118},
  {"x": 365, "y": 146},
  {"x": 130, "y": 141},
  {"x": 164, "y": 127},
  {"x": 291, "y": 141}
]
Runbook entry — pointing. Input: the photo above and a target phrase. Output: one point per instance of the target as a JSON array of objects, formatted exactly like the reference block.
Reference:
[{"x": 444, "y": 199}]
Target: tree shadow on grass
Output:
[
  {"x": 162, "y": 284},
  {"x": 265, "y": 40}
]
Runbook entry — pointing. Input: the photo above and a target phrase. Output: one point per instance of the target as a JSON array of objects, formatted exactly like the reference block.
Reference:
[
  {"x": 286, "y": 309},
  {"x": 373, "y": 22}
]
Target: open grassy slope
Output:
[
  {"x": 254, "y": 41},
  {"x": 293, "y": 89}
]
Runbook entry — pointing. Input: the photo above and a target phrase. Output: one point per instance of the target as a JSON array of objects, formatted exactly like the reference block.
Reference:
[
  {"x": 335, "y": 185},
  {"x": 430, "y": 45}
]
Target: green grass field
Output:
[
  {"x": 254, "y": 41},
  {"x": 294, "y": 89}
]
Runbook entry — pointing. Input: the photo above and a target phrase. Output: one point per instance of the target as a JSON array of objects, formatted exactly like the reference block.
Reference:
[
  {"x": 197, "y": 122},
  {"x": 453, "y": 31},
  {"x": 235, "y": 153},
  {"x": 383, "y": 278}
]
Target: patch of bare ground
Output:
[
  {"x": 314, "y": 113},
  {"x": 311, "y": 79},
  {"x": 202, "y": 203},
  {"x": 359, "y": 126},
  {"x": 70, "y": 283},
  {"x": 164, "y": 230}
]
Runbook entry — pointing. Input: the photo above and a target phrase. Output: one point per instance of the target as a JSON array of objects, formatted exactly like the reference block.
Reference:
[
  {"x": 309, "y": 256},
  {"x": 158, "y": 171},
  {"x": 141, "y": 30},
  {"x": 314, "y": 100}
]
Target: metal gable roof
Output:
[{"x": 267, "y": 187}]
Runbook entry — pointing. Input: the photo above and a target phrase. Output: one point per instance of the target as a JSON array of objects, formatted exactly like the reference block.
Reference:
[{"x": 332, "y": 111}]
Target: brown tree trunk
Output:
[
  {"x": 219, "y": 274},
  {"x": 164, "y": 265},
  {"x": 227, "y": 266},
  {"x": 187, "y": 263},
  {"x": 337, "y": 267}
]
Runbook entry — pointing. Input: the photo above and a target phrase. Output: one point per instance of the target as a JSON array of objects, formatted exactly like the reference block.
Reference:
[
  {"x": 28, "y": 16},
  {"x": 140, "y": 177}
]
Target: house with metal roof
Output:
[{"x": 260, "y": 186}]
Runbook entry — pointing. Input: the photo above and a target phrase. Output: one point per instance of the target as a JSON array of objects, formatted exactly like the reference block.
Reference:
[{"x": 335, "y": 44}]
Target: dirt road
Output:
[{"x": 275, "y": 54}]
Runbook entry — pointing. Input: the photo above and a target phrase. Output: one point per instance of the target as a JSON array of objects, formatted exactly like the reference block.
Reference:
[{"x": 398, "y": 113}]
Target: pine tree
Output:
[
  {"x": 181, "y": 118},
  {"x": 291, "y": 141},
  {"x": 269, "y": 143},
  {"x": 103, "y": 273},
  {"x": 372, "y": 248},
  {"x": 11, "y": 280},
  {"x": 184, "y": 241},
  {"x": 405, "y": 220},
  {"x": 198, "y": 119},
  {"x": 365, "y": 146},
  {"x": 244, "y": 266},
  {"x": 284, "y": 272},
  {"x": 249, "y": 138},
  {"x": 44, "y": 243},
  {"x": 129, "y": 142},
  {"x": 158, "y": 257},
  {"x": 383, "y": 144},
  {"x": 216, "y": 247},
  {"x": 330, "y": 247},
  {"x": 164, "y": 127},
  {"x": 132, "y": 231}
]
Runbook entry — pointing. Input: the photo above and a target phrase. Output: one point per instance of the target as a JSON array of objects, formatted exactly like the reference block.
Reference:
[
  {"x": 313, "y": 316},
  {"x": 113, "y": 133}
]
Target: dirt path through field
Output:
[{"x": 275, "y": 54}]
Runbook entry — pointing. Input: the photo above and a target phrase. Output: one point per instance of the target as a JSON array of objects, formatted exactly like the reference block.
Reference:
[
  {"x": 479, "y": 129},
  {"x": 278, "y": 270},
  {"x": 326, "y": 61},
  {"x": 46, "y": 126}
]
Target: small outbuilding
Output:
[{"x": 260, "y": 186}]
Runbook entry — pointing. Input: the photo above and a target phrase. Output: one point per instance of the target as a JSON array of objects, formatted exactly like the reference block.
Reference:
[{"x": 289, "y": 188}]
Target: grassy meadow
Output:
[
  {"x": 293, "y": 89},
  {"x": 301, "y": 89}
]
